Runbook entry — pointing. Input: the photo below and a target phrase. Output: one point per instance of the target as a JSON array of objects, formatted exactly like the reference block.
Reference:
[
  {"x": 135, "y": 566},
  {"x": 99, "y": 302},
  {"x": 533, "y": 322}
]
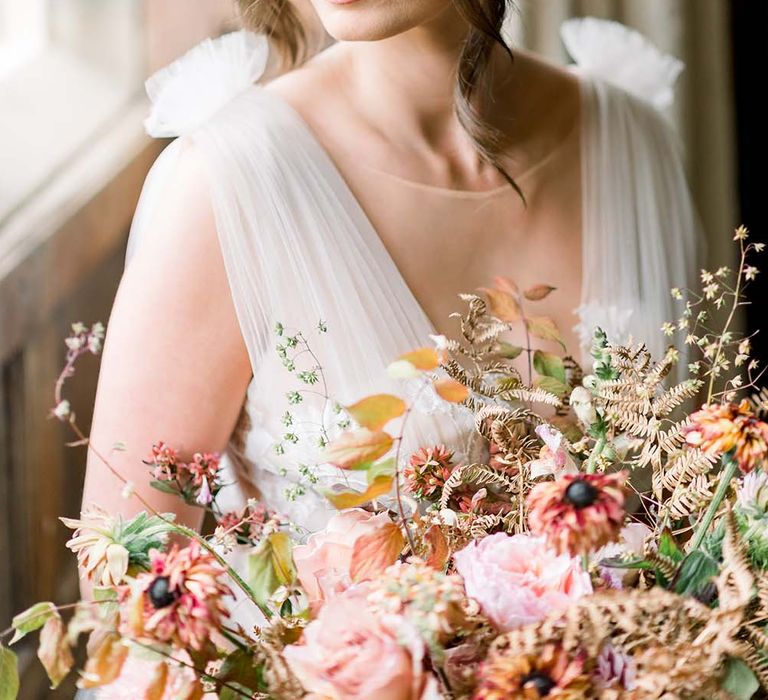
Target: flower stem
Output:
[
  {"x": 729, "y": 470},
  {"x": 596, "y": 452},
  {"x": 192, "y": 534}
]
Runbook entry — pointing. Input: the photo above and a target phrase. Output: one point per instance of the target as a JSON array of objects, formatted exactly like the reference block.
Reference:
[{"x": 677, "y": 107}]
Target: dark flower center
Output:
[
  {"x": 542, "y": 683},
  {"x": 160, "y": 593},
  {"x": 581, "y": 494}
]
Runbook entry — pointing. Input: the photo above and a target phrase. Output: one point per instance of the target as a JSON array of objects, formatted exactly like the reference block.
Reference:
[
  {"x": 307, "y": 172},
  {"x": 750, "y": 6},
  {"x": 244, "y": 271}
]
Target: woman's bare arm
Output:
[{"x": 174, "y": 366}]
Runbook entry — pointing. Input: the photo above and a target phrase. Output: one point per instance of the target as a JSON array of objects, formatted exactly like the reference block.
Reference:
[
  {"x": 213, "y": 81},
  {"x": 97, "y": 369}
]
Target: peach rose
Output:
[
  {"x": 350, "y": 653},
  {"x": 322, "y": 564},
  {"x": 518, "y": 580}
]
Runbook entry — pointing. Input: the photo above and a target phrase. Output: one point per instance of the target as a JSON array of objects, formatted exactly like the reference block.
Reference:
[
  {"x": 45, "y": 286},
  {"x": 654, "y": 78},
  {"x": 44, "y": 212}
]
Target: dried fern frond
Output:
[
  {"x": 477, "y": 475},
  {"x": 759, "y": 403},
  {"x": 690, "y": 499},
  {"x": 684, "y": 466}
]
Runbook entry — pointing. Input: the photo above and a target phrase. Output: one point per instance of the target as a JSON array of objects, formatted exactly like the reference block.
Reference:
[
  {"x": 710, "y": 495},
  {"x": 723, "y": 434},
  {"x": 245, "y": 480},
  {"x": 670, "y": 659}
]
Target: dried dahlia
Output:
[
  {"x": 427, "y": 470},
  {"x": 108, "y": 547},
  {"x": 551, "y": 674},
  {"x": 578, "y": 513},
  {"x": 717, "y": 429},
  {"x": 101, "y": 557},
  {"x": 180, "y": 601}
]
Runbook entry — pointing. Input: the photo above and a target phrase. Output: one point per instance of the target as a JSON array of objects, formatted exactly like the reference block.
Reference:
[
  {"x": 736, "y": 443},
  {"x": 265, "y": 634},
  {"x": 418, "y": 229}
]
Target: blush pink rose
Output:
[
  {"x": 322, "y": 564},
  {"x": 518, "y": 580},
  {"x": 350, "y": 653}
]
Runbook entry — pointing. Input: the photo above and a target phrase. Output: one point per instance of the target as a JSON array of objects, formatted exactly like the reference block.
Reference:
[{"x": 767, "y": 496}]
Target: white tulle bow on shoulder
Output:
[
  {"x": 622, "y": 56},
  {"x": 189, "y": 91}
]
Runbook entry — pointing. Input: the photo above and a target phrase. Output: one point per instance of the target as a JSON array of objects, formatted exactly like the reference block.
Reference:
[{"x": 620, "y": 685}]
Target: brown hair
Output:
[{"x": 279, "y": 20}]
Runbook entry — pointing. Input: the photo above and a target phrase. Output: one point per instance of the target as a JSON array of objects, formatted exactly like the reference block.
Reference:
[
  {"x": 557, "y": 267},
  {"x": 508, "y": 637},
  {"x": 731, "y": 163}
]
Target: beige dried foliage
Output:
[
  {"x": 679, "y": 645},
  {"x": 639, "y": 404}
]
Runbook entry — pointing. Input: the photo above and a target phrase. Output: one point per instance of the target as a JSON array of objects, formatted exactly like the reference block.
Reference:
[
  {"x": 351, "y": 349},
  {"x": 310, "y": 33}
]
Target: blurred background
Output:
[{"x": 73, "y": 156}]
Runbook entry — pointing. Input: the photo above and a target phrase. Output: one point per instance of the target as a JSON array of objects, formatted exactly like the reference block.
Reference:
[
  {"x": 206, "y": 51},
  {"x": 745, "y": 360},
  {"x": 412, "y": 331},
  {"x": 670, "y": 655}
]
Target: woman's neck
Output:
[{"x": 415, "y": 70}]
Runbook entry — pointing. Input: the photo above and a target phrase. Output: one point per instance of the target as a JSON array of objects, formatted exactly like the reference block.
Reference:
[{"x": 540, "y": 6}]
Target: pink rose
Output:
[
  {"x": 518, "y": 580},
  {"x": 322, "y": 564},
  {"x": 350, "y": 653}
]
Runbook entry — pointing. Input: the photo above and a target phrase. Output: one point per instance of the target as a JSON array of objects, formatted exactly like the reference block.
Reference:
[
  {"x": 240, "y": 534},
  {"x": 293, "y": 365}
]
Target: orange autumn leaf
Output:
[
  {"x": 374, "y": 552},
  {"x": 505, "y": 284},
  {"x": 156, "y": 688},
  {"x": 450, "y": 390},
  {"x": 357, "y": 447},
  {"x": 54, "y": 651},
  {"x": 503, "y": 305},
  {"x": 544, "y": 328},
  {"x": 437, "y": 547},
  {"x": 351, "y": 499},
  {"x": 374, "y": 412},
  {"x": 105, "y": 665},
  {"x": 422, "y": 358},
  {"x": 538, "y": 292}
]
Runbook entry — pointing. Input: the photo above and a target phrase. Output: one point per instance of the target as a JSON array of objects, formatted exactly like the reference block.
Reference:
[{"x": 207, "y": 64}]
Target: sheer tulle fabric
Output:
[{"x": 298, "y": 248}]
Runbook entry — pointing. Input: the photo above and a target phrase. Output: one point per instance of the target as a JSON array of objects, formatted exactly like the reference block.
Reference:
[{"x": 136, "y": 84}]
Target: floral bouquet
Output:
[{"x": 609, "y": 543}]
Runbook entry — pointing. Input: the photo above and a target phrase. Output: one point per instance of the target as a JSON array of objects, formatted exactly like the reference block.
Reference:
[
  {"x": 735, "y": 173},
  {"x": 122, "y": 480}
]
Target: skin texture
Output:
[{"x": 174, "y": 365}]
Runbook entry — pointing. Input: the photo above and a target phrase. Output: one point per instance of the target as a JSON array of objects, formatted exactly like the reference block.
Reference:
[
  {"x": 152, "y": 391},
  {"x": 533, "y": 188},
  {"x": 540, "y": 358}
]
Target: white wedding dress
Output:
[{"x": 298, "y": 247}]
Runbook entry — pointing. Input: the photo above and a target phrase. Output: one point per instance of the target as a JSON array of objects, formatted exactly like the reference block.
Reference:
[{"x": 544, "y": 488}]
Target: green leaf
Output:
[
  {"x": 668, "y": 547},
  {"x": 739, "y": 681},
  {"x": 507, "y": 350},
  {"x": 619, "y": 563},
  {"x": 32, "y": 619},
  {"x": 548, "y": 364},
  {"x": 234, "y": 691},
  {"x": 9, "y": 674},
  {"x": 552, "y": 385},
  {"x": 240, "y": 669},
  {"x": 271, "y": 566},
  {"x": 386, "y": 467},
  {"x": 164, "y": 486},
  {"x": 696, "y": 571}
]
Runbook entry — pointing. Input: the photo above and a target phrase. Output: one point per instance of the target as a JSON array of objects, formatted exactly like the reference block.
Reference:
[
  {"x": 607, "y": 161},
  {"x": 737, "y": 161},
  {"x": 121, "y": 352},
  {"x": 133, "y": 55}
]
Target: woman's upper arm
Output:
[{"x": 174, "y": 365}]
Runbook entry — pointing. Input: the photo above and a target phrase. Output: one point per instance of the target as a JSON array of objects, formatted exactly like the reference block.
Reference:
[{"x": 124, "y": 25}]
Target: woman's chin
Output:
[{"x": 374, "y": 20}]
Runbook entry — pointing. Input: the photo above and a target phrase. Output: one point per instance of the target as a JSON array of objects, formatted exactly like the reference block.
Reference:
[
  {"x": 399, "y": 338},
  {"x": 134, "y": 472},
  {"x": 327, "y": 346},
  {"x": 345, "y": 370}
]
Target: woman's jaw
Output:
[{"x": 374, "y": 20}]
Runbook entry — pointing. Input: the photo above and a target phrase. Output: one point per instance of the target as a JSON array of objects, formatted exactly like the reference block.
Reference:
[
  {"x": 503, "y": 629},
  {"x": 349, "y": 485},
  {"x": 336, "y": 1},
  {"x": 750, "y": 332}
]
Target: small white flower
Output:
[
  {"x": 128, "y": 490},
  {"x": 449, "y": 517},
  {"x": 63, "y": 410},
  {"x": 581, "y": 402},
  {"x": 440, "y": 341},
  {"x": 74, "y": 342},
  {"x": 226, "y": 540}
]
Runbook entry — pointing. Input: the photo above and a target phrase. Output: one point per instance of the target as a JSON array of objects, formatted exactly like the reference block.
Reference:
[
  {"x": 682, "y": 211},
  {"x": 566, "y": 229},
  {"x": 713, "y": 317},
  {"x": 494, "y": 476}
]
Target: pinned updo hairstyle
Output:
[{"x": 279, "y": 20}]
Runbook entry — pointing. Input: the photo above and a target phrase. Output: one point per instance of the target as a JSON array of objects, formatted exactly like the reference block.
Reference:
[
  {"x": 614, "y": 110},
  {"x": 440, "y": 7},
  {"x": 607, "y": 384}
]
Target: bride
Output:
[{"x": 359, "y": 193}]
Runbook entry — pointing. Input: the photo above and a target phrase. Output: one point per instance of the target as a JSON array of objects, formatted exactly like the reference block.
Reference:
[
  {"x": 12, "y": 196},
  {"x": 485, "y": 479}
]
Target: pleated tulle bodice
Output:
[{"x": 299, "y": 248}]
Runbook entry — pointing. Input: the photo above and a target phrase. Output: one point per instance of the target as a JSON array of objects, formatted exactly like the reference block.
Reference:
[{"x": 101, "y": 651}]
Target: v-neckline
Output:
[{"x": 373, "y": 236}]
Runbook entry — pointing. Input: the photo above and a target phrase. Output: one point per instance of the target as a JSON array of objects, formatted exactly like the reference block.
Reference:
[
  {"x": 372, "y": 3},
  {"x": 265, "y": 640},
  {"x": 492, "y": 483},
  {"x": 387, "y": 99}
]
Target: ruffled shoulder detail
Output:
[
  {"x": 622, "y": 56},
  {"x": 189, "y": 91}
]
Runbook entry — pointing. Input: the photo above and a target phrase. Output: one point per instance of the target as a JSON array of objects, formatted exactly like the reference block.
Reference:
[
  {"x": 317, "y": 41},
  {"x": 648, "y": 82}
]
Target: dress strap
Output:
[
  {"x": 641, "y": 232},
  {"x": 622, "y": 56},
  {"x": 189, "y": 91}
]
